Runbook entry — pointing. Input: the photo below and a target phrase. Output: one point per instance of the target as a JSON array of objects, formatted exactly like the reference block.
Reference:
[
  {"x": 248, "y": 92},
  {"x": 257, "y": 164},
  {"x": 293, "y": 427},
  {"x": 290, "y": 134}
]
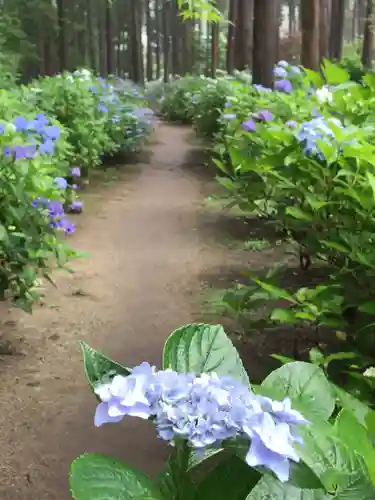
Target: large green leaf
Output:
[
  {"x": 99, "y": 368},
  {"x": 231, "y": 479},
  {"x": 359, "y": 409},
  {"x": 201, "y": 348},
  {"x": 357, "y": 437},
  {"x": 269, "y": 488},
  {"x": 307, "y": 387},
  {"x": 341, "y": 470},
  {"x": 99, "y": 477},
  {"x": 334, "y": 74}
]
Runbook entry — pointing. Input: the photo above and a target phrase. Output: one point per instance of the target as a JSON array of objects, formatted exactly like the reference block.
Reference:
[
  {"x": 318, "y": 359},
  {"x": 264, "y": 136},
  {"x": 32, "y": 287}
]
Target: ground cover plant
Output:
[{"x": 294, "y": 436}]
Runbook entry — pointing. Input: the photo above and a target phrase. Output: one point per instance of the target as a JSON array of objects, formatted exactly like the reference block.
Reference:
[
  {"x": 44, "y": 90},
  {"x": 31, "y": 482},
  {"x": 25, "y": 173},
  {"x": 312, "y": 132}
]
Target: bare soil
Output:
[{"x": 154, "y": 248}]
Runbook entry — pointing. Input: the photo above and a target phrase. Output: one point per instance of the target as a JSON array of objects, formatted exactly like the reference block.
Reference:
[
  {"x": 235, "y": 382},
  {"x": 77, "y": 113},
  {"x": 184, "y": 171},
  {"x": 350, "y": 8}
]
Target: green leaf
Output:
[
  {"x": 273, "y": 291},
  {"x": 307, "y": 387},
  {"x": 346, "y": 400},
  {"x": 334, "y": 74},
  {"x": 341, "y": 470},
  {"x": 3, "y": 233},
  {"x": 202, "y": 348},
  {"x": 368, "y": 307},
  {"x": 297, "y": 213},
  {"x": 269, "y": 488},
  {"x": 283, "y": 316},
  {"x": 357, "y": 437},
  {"x": 99, "y": 368},
  {"x": 99, "y": 477},
  {"x": 232, "y": 479}
]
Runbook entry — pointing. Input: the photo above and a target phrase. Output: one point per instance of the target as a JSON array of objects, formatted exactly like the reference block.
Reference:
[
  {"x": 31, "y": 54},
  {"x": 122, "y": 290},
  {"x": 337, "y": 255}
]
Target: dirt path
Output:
[{"x": 136, "y": 287}]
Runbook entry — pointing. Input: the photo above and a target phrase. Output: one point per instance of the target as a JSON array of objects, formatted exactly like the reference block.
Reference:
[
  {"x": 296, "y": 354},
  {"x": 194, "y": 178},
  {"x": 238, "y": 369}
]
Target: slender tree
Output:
[
  {"x": 337, "y": 29},
  {"x": 264, "y": 42},
  {"x": 310, "y": 18},
  {"x": 368, "y": 40}
]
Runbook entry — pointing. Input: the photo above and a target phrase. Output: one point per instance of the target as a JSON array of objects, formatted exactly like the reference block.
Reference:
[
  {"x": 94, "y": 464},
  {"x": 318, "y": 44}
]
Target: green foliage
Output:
[{"x": 337, "y": 458}]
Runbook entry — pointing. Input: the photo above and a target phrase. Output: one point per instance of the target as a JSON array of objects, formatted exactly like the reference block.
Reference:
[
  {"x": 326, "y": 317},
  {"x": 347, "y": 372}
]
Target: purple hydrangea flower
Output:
[
  {"x": 264, "y": 116},
  {"x": 75, "y": 171},
  {"x": 205, "y": 410},
  {"x": 249, "y": 126},
  {"x": 284, "y": 86},
  {"x": 291, "y": 124},
  {"x": 283, "y": 64}
]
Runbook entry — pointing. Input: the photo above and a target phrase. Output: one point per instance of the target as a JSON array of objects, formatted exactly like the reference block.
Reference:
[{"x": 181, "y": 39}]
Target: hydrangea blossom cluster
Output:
[
  {"x": 204, "y": 411},
  {"x": 316, "y": 129},
  {"x": 41, "y": 137},
  {"x": 55, "y": 210},
  {"x": 285, "y": 74}
]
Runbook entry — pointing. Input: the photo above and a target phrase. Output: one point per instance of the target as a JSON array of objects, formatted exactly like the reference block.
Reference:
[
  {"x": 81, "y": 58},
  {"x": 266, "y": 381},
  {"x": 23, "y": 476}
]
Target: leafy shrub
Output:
[
  {"x": 178, "y": 100},
  {"x": 32, "y": 197},
  {"x": 256, "y": 447},
  {"x": 309, "y": 168}
]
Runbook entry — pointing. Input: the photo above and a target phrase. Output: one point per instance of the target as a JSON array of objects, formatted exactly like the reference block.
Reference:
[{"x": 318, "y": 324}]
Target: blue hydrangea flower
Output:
[
  {"x": 52, "y": 132},
  {"x": 61, "y": 182},
  {"x": 261, "y": 88},
  {"x": 229, "y": 116},
  {"x": 283, "y": 64},
  {"x": 47, "y": 147},
  {"x": 280, "y": 72},
  {"x": 205, "y": 410},
  {"x": 21, "y": 123},
  {"x": 316, "y": 129}
]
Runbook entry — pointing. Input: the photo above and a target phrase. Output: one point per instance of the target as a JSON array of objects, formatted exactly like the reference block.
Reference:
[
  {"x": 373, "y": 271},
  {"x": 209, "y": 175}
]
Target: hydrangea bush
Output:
[
  {"x": 294, "y": 436},
  {"x": 304, "y": 161},
  {"x": 52, "y": 133}
]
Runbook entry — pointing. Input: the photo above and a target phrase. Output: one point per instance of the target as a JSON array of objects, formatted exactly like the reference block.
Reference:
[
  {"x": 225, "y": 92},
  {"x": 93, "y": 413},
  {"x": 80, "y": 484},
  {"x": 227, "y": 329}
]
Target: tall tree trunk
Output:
[
  {"x": 310, "y": 54},
  {"x": 368, "y": 40},
  {"x": 62, "y": 36},
  {"x": 214, "y": 48},
  {"x": 166, "y": 39},
  {"x": 264, "y": 46},
  {"x": 109, "y": 37},
  {"x": 91, "y": 36},
  {"x": 242, "y": 41},
  {"x": 361, "y": 15},
  {"x": 149, "y": 27},
  {"x": 230, "y": 36},
  {"x": 157, "y": 26},
  {"x": 292, "y": 17},
  {"x": 324, "y": 15},
  {"x": 337, "y": 29}
]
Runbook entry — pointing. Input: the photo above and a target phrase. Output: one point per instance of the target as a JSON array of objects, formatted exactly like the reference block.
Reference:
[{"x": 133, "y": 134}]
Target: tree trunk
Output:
[
  {"x": 149, "y": 27},
  {"x": 214, "y": 48},
  {"x": 264, "y": 45},
  {"x": 109, "y": 37},
  {"x": 166, "y": 40},
  {"x": 231, "y": 34},
  {"x": 310, "y": 54},
  {"x": 368, "y": 40},
  {"x": 242, "y": 41},
  {"x": 62, "y": 38},
  {"x": 337, "y": 29},
  {"x": 324, "y": 24},
  {"x": 292, "y": 17}
]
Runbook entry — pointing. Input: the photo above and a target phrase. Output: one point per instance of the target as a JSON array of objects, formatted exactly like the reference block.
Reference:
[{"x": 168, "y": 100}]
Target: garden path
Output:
[{"x": 136, "y": 286}]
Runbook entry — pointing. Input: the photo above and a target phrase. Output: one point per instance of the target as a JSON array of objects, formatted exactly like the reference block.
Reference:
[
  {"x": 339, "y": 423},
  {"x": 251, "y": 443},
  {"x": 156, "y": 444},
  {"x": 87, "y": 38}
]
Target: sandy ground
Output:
[{"x": 148, "y": 254}]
